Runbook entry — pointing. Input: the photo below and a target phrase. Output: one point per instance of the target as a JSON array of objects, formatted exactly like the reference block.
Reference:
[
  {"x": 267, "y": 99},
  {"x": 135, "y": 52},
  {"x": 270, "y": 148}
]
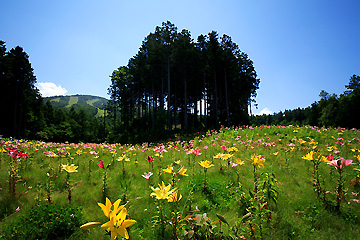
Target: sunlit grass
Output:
[
  {"x": 72, "y": 100},
  {"x": 298, "y": 213}
]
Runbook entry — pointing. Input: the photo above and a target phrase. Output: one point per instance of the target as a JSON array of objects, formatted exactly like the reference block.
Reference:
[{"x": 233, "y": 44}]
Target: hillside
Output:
[{"x": 93, "y": 105}]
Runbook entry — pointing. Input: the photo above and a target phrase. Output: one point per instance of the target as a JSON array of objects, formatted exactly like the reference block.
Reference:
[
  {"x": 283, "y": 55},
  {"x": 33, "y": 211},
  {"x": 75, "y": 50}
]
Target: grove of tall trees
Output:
[
  {"x": 175, "y": 83},
  {"x": 20, "y": 99}
]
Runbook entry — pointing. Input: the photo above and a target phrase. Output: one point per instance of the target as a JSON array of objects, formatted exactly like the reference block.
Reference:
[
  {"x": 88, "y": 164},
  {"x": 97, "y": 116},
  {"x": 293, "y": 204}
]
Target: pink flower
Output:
[
  {"x": 150, "y": 159},
  {"x": 100, "y": 164},
  {"x": 341, "y": 163},
  {"x": 232, "y": 164},
  {"x": 191, "y": 151},
  {"x": 17, "y": 209},
  {"x": 147, "y": 175},
  {"x": 197, "y": 152},
  {"x": 160, "y": 149}
]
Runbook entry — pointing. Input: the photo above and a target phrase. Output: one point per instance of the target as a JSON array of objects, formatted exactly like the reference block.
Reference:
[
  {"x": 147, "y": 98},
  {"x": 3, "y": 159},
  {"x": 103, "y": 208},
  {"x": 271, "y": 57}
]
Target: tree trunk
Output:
[
  {"x": 169, "y": 97},
  {"x": 175, "y": 110},
  {"x": 185, "y": 103},
  {"x": 227, "y": 101},
  {"x": 205, "y": 101},
  {"x": 216, "y": 103},
  {"x": 153, "y": 107}
]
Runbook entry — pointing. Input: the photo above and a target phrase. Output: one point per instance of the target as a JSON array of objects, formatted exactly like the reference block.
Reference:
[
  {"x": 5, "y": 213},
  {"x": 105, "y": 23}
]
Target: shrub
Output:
[{"x": 45, "y": 221}]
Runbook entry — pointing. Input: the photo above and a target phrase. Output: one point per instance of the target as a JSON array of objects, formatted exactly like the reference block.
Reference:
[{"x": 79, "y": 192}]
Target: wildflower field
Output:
[{"x": 268, "y": 182}]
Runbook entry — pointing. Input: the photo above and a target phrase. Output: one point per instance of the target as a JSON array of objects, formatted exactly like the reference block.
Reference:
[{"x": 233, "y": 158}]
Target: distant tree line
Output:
[
  {"x": 330, "y": 111},
  {"x": 24, "y": 113},
  {"x": 175, "y": 83}
]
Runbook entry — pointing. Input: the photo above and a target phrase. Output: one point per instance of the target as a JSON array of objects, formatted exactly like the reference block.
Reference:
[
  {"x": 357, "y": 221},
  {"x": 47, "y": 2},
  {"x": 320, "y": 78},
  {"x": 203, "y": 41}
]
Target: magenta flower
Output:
[
  {"x": 330, "y": 157},
  {"x": 197, "y": 152},
  {"x": 150, "y": 159},
  {"x": 100, "y": 164},
  {"x": 341, "y": 163},
  {"x": 13, "y": 152},
  {"x": 147, "y": 175}
]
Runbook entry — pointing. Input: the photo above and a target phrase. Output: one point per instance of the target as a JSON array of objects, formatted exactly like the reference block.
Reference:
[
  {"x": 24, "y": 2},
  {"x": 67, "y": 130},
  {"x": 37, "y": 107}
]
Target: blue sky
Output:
[{"x": 298, "y": 47}]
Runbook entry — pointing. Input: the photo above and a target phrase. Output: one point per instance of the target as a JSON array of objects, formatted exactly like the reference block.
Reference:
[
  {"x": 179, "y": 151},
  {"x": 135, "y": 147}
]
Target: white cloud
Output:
[
  {"x": 48, "y": 89},
  {"x": 264, "y": 111}
]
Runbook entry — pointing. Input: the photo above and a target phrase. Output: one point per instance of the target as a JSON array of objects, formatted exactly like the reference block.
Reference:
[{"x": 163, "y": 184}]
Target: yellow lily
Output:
[
  {"x": 162, "y": 192},
  {"x": 168, "y": 169},
  {"x": 206, "y": 164},
  {"x": 107, "y": 207},
  {"x": 182, "y": 171},
  {"x": 258, "y": 160},
  {"x": 309, "y": 156},
  {"x": 69, "y": 168}
]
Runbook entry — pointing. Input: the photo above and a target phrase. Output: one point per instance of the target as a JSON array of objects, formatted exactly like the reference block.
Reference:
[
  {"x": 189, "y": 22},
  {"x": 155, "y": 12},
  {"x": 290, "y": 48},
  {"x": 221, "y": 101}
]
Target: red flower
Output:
[
  {"x": 13, "y": 152},
  {"x": 150, "y": 159},
  {"x": 101, "y": 164},
  {"x": 24, "y": 155}
]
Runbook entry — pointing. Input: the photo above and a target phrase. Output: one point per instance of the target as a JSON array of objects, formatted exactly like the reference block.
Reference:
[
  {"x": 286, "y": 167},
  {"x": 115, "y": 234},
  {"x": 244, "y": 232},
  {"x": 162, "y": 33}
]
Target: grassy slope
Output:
[
  {"x": 92, "y": 101},
  {"x": 73, "y": 100},
  {"x": 297, "y": 215},
  {"x": 91, "y": 104}
]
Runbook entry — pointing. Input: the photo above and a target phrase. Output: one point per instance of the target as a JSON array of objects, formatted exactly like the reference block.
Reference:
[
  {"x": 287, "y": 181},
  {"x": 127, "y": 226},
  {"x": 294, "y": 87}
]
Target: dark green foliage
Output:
[
  {"x": 45, "y": 221},
  {"x": 20, "y": 99},
  {"x": 174, "y": 82}
]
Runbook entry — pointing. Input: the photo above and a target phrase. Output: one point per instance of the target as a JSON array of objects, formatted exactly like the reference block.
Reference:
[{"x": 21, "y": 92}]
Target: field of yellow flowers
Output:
[{"x": 267, "y": 182}]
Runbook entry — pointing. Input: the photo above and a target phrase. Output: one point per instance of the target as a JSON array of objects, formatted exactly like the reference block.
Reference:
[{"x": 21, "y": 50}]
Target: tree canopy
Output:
[
  {"x": 174, "y": 82},
  {"x": 20, "y": 99}
]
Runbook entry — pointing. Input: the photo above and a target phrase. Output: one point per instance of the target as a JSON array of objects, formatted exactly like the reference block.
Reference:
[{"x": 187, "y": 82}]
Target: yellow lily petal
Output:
[
  {"x": 90, "y": 225},
  {"x": 106, "y": 208}
]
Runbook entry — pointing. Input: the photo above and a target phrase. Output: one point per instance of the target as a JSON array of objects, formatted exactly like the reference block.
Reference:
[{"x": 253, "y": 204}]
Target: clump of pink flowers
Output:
[{"x": 340, "y": 163}]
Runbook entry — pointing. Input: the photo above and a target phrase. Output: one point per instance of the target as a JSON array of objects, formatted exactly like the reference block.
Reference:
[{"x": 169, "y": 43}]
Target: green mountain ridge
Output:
[{"x": 93, "y": 105}]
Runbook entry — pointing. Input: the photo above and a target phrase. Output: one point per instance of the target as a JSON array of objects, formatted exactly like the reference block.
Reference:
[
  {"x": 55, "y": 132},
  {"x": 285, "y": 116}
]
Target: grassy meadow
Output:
[{"x": 267, "y": 182}]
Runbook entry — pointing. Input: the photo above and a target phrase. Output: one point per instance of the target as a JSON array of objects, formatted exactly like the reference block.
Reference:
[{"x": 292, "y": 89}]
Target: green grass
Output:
[
  {"x": 298, "y": 213},
  {"x": 73, "y": 100},
  {"x": 92, "y": 101}
]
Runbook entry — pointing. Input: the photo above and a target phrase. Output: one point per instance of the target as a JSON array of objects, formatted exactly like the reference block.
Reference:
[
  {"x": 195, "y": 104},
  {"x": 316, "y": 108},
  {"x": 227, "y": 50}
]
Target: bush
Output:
[{"x": 45, "y": 221}]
